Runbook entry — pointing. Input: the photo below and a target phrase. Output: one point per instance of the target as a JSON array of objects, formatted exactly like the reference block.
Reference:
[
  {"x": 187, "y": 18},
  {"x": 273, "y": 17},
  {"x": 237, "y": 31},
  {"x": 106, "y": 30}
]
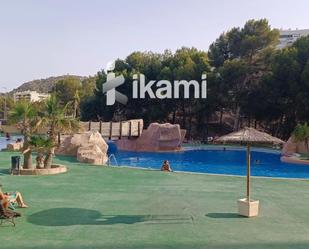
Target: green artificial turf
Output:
[{"x": 121, "y": 208}]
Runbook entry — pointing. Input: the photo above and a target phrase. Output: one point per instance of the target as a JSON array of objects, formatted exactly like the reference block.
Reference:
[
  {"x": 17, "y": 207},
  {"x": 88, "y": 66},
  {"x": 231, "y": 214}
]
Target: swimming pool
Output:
[
  {"x": 215, "y": 160},
  {"x": 209, "y": 159},
  {"x": 4, "y": 142}
]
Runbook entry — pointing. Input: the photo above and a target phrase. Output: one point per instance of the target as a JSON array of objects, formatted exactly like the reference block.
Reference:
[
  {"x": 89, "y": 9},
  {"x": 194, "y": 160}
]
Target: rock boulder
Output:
[
  {"x": 91, "y": 153},
  {"x": 157, "y": 137},
  {"x": 291, "y": 147},
  {"x": 15, "y": 146},
  {"x": 88, "y": 147}
]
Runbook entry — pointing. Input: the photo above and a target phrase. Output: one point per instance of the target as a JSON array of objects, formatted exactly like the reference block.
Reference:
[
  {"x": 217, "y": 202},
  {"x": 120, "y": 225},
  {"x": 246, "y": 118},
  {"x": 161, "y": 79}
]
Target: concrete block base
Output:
[{"x": 248, "y": 208}]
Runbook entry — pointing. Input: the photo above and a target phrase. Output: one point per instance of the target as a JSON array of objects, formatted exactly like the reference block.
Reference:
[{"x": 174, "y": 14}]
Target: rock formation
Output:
[
  {"x": 291, "y": 147},
  {"x": 157, "y": 137},
  {"x": 91, "y": 153},
  {"x": 15, "y": 146},
  {"x": 291, "y": 152},
  {"x": 88, "y": 147}
]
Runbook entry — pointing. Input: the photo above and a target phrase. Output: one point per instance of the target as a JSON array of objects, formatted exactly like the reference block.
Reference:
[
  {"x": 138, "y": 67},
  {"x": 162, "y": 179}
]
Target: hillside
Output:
[{"x": 43, "y": 85}]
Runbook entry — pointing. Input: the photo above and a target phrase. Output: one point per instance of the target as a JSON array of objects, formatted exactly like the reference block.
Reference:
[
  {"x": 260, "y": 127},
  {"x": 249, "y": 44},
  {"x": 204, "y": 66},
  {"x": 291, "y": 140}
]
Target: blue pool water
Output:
[
  {"x": 212, "y": 160},
  {"x": 4, "y": 142},
  {"x": 216, "y": 161}
]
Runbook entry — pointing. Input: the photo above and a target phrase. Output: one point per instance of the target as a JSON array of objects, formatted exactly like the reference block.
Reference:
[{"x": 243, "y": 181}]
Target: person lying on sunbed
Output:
[
  {"x": 12, "y": 198},
  {"x": 7, "y": 214},
  {"x": 166, "y": 166}
]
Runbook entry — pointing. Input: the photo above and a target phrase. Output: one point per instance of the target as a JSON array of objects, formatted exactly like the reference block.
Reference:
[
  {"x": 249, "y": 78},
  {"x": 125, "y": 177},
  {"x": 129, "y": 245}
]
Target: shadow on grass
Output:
[
  {"x": 224, "y": 215},
  {"x": 79, "y": 216},
  {"x": 145, "y": 219},
  {"x": 64, "y": 217},
  {"x": 5, "y": 171}
]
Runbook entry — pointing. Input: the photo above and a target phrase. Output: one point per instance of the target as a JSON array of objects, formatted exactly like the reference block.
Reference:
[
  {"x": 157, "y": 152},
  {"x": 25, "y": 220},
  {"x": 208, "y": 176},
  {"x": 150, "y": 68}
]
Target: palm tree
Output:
[
  {"x": 24, "y": 114},
  {"x": 41, "y": 145},
  {"x": 301, "y": 134},
  {"x": 54, "y": 117},
  {"x": 76, "y": 103}
]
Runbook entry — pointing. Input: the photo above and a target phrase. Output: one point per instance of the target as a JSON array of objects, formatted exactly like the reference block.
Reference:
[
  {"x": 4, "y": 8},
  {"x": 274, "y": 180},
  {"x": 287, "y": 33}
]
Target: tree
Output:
[
  {"x": 244, "y": 53},
  {"x": 76, "y": 104},
  {"x": 92, "y": 106},
  {"x": 41, "y": 145},
  {"x": 24, "y": 114},
  {"x": 184, "y": 64},
  {"x": 285, "y": 91},
  {"x": 68, "y": 91},
  {"x": 54, "y": 117},
  {"x": 247, "y": 78},
  {"x": 188, "y": 64},
  {"x": 88, "y": 87},
  {"x": 6, "y": 103}
]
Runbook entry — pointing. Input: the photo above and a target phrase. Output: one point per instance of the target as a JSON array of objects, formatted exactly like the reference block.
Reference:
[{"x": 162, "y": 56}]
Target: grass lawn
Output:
[{"x": 121, "y": 208}]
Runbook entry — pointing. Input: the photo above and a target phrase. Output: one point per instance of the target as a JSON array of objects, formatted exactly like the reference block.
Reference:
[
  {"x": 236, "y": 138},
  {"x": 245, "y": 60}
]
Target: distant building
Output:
[
  {"x": 31, "y": 96},
  {"x": 288, "y": 37}
]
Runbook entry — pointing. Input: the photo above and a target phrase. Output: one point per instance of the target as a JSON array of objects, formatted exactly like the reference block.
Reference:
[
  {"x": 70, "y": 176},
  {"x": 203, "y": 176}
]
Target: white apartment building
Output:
[
  {"x": 32, "y": 96},
  {"x": 288, "y": 37}
]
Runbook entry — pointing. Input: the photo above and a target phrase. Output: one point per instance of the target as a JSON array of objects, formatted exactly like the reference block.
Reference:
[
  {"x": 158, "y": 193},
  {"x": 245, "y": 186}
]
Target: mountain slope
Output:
[{"x": 43, "y": 85}]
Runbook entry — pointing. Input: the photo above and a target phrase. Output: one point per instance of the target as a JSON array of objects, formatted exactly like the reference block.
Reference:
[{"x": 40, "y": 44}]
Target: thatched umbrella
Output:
[{"x": 249, "y": 136}]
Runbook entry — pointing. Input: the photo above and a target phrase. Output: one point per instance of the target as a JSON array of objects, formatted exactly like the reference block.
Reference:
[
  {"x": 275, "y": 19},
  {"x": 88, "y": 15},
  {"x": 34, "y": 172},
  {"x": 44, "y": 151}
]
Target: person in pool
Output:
[
  {"x": 166, "y": 166},
  {"x": 9, "y": 199},
  {"x": 19, "y": 140}
]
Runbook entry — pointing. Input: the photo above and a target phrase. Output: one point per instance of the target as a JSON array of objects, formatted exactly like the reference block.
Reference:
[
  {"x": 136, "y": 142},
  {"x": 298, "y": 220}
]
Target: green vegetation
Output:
[
  {"x": 41, "y": 145},
  {"x": 249, "y": 82},
  {"x": 50, "y": 114},
  {"x": 44, "y": 85},
  {"x": 116, "y": 208},
  {"x": 66, "y": 89},
  {"x": 6, "y": 103},
  {"x": 24, "y": 115},
  {"x": 185, "y": 63},
  {"x": 241, "y": 60},
  {"x": 54, "y": 116},
  {"x": 72, "y": 91}
]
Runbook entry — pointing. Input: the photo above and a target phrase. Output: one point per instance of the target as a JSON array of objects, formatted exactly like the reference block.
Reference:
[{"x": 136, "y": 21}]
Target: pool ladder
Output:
[{"x": 112, "y": 156}]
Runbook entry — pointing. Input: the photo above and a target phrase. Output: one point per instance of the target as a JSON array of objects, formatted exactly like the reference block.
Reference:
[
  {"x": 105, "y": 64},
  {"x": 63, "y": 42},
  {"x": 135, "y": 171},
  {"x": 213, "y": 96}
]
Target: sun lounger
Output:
[{"x": 7, "y": 215}]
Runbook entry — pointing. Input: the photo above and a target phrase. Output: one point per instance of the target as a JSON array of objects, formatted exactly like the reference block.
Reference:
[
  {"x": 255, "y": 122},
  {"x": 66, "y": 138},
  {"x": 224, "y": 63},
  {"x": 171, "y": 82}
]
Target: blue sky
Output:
[{"x": 45, "y": 38}]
